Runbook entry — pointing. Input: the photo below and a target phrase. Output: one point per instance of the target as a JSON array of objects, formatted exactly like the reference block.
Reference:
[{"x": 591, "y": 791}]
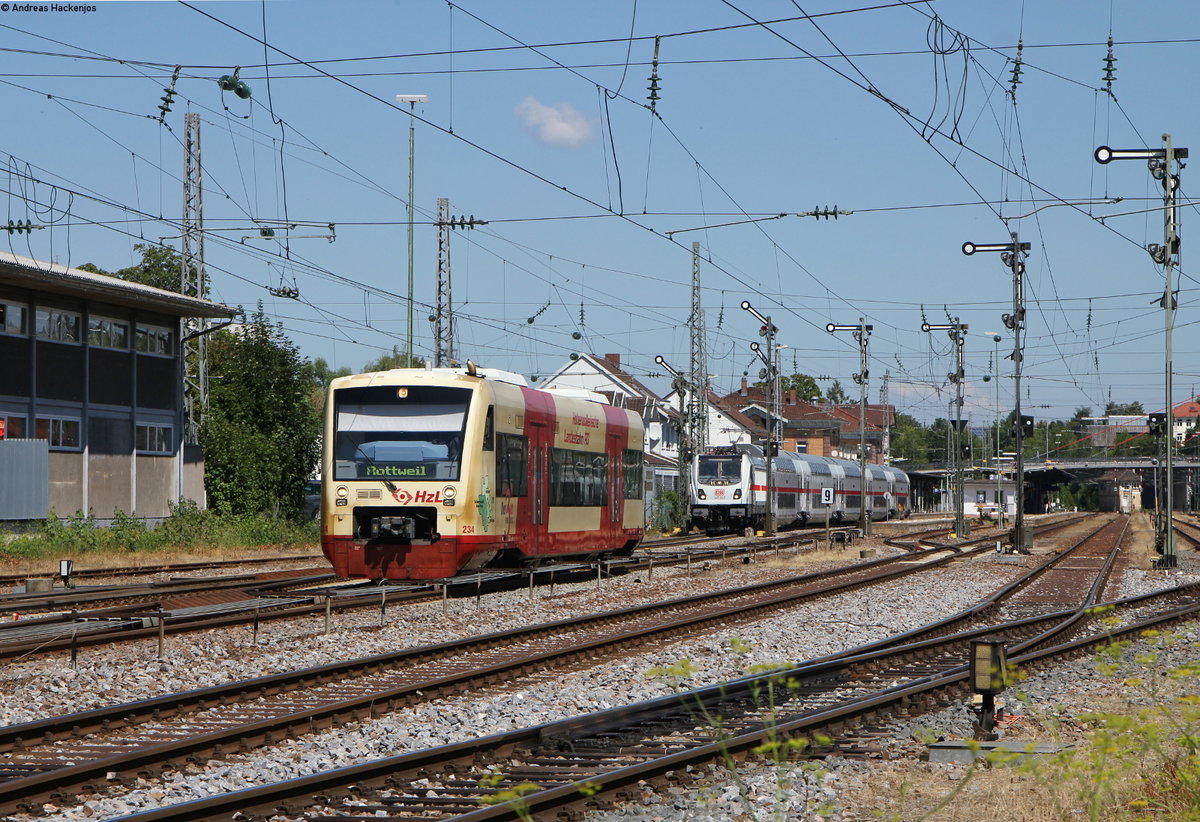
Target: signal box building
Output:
[{"x": 91, "y": 396}]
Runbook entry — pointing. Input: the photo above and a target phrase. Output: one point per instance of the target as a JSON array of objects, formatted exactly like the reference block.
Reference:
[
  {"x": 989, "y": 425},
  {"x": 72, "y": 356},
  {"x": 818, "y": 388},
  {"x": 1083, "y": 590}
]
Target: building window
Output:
[
  {"x": 58, "y": 325},
  {"x": 61, "y": 432},
  {"x": 155, "y": 339},
  {"x": 108, "y": 333},
  {"x": 153, "y": 439},
  {"x": 12, "y": 318},
  {"x": 12, "y": 427}
]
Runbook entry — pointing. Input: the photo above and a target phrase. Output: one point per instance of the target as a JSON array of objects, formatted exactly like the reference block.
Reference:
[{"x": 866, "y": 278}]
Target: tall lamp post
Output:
[
  {"x": 412, "y": 100},
  {"x": 862, "y": 335},
  {"x": 1011, "y": 254},
  {"x": 1164, "y": 166}
]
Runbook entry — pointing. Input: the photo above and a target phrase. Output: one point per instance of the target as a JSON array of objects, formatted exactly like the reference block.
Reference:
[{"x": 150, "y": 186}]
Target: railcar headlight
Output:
[
  {"x": 737, "y": 493},
  {"x": 700, "y": 493},
  {"x": 342, "y": 492},
  {"x": 448, "y": 495}
]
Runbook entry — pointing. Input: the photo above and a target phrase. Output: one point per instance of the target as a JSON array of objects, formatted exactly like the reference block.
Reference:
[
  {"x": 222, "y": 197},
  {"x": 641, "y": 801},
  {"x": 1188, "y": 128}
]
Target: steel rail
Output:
[
  {"x": 23, "y": 791},
  {"x": 290, "y": 797},
  {"x": 164, "y": 568}
]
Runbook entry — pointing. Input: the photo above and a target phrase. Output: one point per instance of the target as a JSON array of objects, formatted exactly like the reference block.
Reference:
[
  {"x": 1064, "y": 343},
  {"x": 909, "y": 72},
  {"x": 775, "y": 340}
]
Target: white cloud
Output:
[{"x": 559, "y": 125}]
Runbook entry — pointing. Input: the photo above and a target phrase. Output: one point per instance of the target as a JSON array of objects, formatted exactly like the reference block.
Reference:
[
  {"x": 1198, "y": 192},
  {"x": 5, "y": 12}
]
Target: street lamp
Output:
[{"x": 412, "y": 100}]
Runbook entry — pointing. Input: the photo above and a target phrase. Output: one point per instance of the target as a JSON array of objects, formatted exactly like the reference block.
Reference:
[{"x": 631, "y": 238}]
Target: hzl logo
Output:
[{"x": 404, "y": 497}]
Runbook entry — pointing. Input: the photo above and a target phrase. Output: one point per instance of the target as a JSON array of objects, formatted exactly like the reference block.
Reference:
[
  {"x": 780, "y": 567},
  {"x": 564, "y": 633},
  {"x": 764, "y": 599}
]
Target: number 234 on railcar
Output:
[{"x": 429, "y": 473}]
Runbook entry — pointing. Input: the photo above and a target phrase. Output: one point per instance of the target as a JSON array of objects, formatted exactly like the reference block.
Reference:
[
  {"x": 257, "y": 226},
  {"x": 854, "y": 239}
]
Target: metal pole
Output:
[
  {"x": 772, "y": 401},
  {"x": 864, "y": 518},
  {"x": 999, "y": 488},
  {"x": 411, "y": 168},
  {"x": 1018, "y": 320},
  {"x": 1169, "y": 226}
]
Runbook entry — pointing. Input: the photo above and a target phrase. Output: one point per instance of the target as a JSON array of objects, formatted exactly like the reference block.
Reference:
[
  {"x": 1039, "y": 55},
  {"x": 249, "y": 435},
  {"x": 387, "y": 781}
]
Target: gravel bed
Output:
[
  {"x": 44, "y": 687},
  {"x": 842, "y": 790},
  {"x": 831, "y": 624}
]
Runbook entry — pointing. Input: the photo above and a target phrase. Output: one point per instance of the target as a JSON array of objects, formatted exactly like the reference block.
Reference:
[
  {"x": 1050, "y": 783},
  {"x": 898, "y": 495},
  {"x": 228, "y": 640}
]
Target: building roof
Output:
[
  {"x": 57, "y": 278},
  {"x": 798, "y": 413},
  {"x": 1187, "y": 410},
  {"x": 611, "y": 365},
  {"x": 737, "y": 416}
]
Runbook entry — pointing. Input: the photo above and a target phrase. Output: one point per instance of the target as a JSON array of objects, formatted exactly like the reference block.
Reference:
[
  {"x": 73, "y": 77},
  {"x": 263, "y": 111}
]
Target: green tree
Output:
[
  {"x": 395, "y": 359},
  {"x": 836, "y": 394},
  {"x": 159, "y": 267},
  {"x": 1124, "y": 409},
  {"x": 910, "y": 440},
  {"x": 806, "y": 387},
  {"x": 260, "y": 437},
  {"x": 322, "y": 375}
]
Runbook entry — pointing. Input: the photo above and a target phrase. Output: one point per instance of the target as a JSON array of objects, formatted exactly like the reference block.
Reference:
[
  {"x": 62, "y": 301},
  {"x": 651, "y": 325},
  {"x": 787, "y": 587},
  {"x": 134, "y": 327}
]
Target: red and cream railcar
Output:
[{"x": 428, "y": 473}]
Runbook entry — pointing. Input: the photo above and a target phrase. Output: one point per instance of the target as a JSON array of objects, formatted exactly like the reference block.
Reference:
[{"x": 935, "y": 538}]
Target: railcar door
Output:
[
  {"x": 616, "y": 469},
  {"x": 538, "y": 456}
]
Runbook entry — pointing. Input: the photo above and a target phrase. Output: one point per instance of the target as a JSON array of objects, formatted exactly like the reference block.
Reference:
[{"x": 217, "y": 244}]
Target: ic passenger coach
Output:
[
  {"x": 729, "y": 489},
  {"x": 431, "y": 472}
]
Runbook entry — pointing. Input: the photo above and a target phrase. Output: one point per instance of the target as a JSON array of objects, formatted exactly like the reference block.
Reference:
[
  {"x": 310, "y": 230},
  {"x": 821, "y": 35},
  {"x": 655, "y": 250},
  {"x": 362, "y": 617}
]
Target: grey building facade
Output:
[{"x": 91, "y": 365}]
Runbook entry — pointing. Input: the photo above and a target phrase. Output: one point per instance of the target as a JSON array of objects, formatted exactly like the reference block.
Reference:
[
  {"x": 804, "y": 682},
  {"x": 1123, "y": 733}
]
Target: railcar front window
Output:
[
  {"x": 399, "y": 433},
  {"x": 719, "y": 470}
]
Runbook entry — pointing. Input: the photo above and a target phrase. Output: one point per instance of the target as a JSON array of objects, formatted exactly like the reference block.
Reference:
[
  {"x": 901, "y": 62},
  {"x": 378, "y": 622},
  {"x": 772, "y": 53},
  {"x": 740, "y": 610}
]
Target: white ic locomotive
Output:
[{"x": 729, "y": 489}]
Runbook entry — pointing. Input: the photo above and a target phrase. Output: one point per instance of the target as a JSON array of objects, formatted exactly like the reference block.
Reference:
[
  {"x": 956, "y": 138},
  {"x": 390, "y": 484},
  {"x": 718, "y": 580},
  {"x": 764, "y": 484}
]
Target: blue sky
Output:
[{"x": 537, "y": 122}]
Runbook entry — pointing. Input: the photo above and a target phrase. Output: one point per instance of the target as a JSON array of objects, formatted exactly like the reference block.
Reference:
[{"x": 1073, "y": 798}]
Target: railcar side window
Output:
[
  {"x": 578, "y": 477},
  {"x": 399, "y": 432},
  {"x": 631, "y": 476},
  {"x": 512, "y": 465},
  {"x": 489, "y": 429}
]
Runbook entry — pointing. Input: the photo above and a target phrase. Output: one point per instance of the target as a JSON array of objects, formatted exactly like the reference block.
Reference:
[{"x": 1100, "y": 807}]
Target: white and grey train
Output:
[{"x": 729, "y": 489}]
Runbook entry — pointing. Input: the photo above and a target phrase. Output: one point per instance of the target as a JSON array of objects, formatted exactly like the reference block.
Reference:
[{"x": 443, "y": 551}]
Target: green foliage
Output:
[
  {"x": 836, "y": 394},
  {"x": 668, "y": 511},
  {"x": 186, "y": 527},
  {"x": 260, "y": 437},
  {"x": 160, "y": 267},
  {"x": 674, "y": 674},
  {"x": 806, "y": 387},
  {"x": 322, "y": 374},
  {"x": 395, "y": 359}
]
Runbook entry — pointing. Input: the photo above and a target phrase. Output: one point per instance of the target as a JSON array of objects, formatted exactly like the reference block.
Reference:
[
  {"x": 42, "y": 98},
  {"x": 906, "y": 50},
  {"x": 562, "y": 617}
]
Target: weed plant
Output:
[{"x": 188, "y": 527}]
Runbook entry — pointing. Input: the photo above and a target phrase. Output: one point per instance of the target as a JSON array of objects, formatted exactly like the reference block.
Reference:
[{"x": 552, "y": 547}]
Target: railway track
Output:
[
  {"x": 565, "y": 766},
  {"x": 161, "y": 568},
  {"x": 159, "y": 609},
  {"x": 47, "y": 758}
]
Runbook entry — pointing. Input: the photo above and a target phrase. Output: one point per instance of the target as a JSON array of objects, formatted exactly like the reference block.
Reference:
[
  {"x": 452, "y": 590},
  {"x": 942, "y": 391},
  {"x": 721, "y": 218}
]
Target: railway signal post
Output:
[
  {"x": 862, "y": 335},
  {"x": 768, "y": 330},
  {"x": 1012, "y": 255},
  {"x": 957, "y": 331},
  {"x": 1164, "y": 166}
]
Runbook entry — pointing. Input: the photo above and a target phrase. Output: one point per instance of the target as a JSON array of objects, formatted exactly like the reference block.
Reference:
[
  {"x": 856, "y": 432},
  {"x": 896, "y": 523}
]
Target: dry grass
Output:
[
  {"x": 794, "y": 558},
  {"x": 137, "y": 559}
]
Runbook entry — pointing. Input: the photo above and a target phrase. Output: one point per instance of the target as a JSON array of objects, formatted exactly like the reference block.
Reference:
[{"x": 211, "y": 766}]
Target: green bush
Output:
[
  {"x": 188, "y": 526},
  {"x": 668, "y": 510}
]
